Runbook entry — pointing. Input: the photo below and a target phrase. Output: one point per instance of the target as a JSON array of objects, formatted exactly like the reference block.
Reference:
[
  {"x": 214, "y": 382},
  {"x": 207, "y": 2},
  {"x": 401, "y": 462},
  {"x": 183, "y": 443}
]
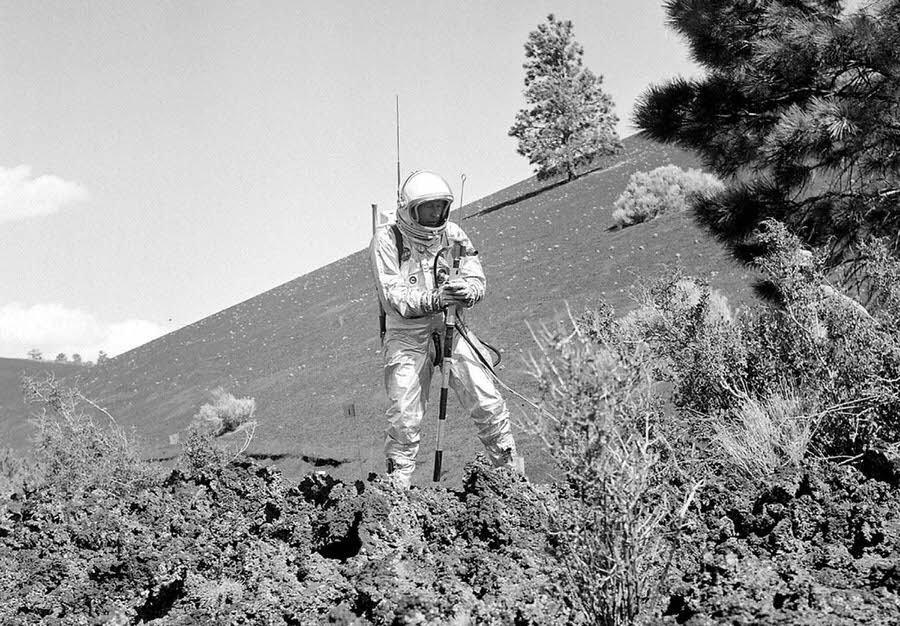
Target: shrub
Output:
[
  {"x": 200, "y": 454},
  {"x": 598, "y": 324},
  {"x": 227, "y": 419},
  {"x": 759, "y": 437},
  {"x": 694, "y": 337},
  {"x": 824, "y": 343},
  {"x": 14, "y": 472},
  {"x": 667, "y": 188},
  {"x": 226, "y": 413},
  {"x": 601, "y": 432},
  {"x": 882, "y": 284},
  {"x": 808, "y": 338},
  {"x": 75, "y": 453}
]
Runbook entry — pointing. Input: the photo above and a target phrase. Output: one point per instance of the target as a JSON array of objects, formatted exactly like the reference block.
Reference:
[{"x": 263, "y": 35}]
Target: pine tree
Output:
[
  {"x": 799, "y": 111},
  {"x": 568, "y": 120}
]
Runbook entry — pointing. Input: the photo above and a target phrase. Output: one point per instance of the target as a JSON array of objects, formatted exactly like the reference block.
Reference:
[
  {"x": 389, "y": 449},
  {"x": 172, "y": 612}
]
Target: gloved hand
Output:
[
  {"x": 442, "y": 297},
  {"x": 461, "y": 292}
]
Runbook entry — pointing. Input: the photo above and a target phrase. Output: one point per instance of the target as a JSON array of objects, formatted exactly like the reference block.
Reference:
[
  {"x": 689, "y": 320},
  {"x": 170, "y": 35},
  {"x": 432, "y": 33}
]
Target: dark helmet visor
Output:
[{"x": 431, "y": 213}]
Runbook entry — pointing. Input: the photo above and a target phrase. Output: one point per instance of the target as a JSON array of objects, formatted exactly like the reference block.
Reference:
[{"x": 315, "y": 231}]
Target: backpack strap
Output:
[{"x": 398, "y": 241}]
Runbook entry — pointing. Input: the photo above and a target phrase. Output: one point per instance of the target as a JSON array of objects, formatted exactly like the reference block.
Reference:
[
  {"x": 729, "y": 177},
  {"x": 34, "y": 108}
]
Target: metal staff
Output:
[{"x": 446, "y": 364}]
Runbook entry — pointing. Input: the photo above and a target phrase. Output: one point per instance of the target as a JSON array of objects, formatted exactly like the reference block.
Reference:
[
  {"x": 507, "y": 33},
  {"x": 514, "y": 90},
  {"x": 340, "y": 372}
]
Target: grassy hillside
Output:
[{"x": 306, "y": 348}]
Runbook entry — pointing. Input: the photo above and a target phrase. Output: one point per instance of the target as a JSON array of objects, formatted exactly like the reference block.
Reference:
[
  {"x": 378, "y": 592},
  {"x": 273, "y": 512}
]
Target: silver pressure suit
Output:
[{"x": 405, "y": 283}]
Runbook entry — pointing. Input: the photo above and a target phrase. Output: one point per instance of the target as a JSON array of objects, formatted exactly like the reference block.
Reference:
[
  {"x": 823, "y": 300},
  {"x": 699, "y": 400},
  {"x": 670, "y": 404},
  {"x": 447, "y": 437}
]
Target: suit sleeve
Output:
[{"x": 396, "y": 294}]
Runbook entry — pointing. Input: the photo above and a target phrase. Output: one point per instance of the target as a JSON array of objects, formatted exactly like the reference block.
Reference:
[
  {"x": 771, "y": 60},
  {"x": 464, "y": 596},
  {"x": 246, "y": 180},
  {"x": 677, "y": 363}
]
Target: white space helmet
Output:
[{"x": 421, "y": 187}]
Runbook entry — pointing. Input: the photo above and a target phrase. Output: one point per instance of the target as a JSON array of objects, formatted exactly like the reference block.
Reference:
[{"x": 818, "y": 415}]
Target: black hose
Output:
[
  {"x": 460, "y": 325},
  {"x": 434, "y": 268},
  {"x": 464, "y": 333}
]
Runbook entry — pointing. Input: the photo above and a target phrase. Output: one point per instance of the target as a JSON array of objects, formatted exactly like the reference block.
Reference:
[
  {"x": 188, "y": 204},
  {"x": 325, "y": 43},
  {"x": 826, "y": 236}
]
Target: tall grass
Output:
[{"x": 762, "y": 436}]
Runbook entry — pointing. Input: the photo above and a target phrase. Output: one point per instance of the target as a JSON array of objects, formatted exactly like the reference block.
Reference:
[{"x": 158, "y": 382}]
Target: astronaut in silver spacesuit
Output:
[{"x": 414, "y": 289}]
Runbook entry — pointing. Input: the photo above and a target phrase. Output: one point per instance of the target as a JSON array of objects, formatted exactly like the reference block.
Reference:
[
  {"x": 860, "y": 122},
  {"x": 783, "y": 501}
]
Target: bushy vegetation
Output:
[
  {"x": 226, "y": 413},
  {"x": 814, "y": 371},
  {"x": 666, "y": 188},
  {"x": 227, "y": 419},
  {"x": 601, "y": 427},
  {"x": 650, "y": 414},
  {"x": 14, "y": 471},
  {"x": 74, "y": 448}
]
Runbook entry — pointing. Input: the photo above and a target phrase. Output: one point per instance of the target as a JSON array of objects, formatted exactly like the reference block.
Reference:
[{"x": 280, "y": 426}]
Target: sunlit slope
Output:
[{"x": 306, "y": 348}]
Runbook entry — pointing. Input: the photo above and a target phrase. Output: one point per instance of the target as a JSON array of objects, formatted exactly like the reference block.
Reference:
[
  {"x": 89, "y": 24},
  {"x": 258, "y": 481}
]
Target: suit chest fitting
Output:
[{"x": 418, "y": 269}]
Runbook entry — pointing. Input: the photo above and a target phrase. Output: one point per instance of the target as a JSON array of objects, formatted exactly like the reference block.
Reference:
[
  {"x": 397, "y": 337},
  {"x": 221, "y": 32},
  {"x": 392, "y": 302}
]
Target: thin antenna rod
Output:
[
  {"x": 462, "y": 188},
  {"x": 398, "y": 150}
]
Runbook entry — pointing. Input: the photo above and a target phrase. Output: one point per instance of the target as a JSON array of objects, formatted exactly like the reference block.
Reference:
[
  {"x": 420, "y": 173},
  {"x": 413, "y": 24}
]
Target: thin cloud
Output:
[
  {"x": 53, "y": 328},
  {"x": 23, "y": 197}
]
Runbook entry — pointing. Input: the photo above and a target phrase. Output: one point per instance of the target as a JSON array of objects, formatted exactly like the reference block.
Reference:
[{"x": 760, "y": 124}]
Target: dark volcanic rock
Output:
[{"x": 814, "y": 547}]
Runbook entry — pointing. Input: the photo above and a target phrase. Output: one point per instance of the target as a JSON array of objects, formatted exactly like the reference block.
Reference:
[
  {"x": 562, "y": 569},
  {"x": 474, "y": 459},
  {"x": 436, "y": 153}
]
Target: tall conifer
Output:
[
  {"x": 799, "y": 110},
  {"x": 569, "y": 119}
]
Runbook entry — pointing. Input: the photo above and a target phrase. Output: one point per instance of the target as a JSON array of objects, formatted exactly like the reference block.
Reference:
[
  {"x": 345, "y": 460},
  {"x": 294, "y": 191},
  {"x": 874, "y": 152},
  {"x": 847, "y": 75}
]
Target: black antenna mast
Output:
[{"x": 398, "y": 150}]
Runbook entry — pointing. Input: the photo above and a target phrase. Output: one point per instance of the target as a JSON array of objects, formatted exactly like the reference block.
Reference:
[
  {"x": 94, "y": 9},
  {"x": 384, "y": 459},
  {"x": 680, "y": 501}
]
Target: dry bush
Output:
[
  {"x": 226, "y": 413},
  {"x": 227, "y": 419},
  {"x": 807, "y": 336},
  {"x": 75, "y": 453},
  {"x": 695, "y": 338},
  {"x": 882, "y": 283},
  {"x": 825, "y": 344},
  {"x": 14, "y": 472},
  {"x": 600, "y": 430},
  {"x": 666, "y": 188}
]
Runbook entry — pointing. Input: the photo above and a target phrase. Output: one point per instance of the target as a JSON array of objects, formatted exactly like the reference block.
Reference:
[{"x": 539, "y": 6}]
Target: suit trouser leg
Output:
[
  {"x": 407, "y": 378},
  {"x": 478, "y": 394}
]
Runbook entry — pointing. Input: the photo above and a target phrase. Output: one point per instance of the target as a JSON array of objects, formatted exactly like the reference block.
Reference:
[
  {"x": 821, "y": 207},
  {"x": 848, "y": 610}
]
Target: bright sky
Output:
[{"x": 162, "y": 161}]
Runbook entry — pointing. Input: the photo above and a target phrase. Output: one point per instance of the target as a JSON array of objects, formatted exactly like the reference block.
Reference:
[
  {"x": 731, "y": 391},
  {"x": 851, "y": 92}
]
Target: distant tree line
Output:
[{"x": 35, "y": 354}]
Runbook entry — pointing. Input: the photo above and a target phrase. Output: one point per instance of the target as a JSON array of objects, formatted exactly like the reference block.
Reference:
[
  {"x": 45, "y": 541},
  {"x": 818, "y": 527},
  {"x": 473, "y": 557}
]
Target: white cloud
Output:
[
  {"x": 53, "y": 328},
  {"x": 123, "y": 336},
  {"x": 22, "y": 196}
]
